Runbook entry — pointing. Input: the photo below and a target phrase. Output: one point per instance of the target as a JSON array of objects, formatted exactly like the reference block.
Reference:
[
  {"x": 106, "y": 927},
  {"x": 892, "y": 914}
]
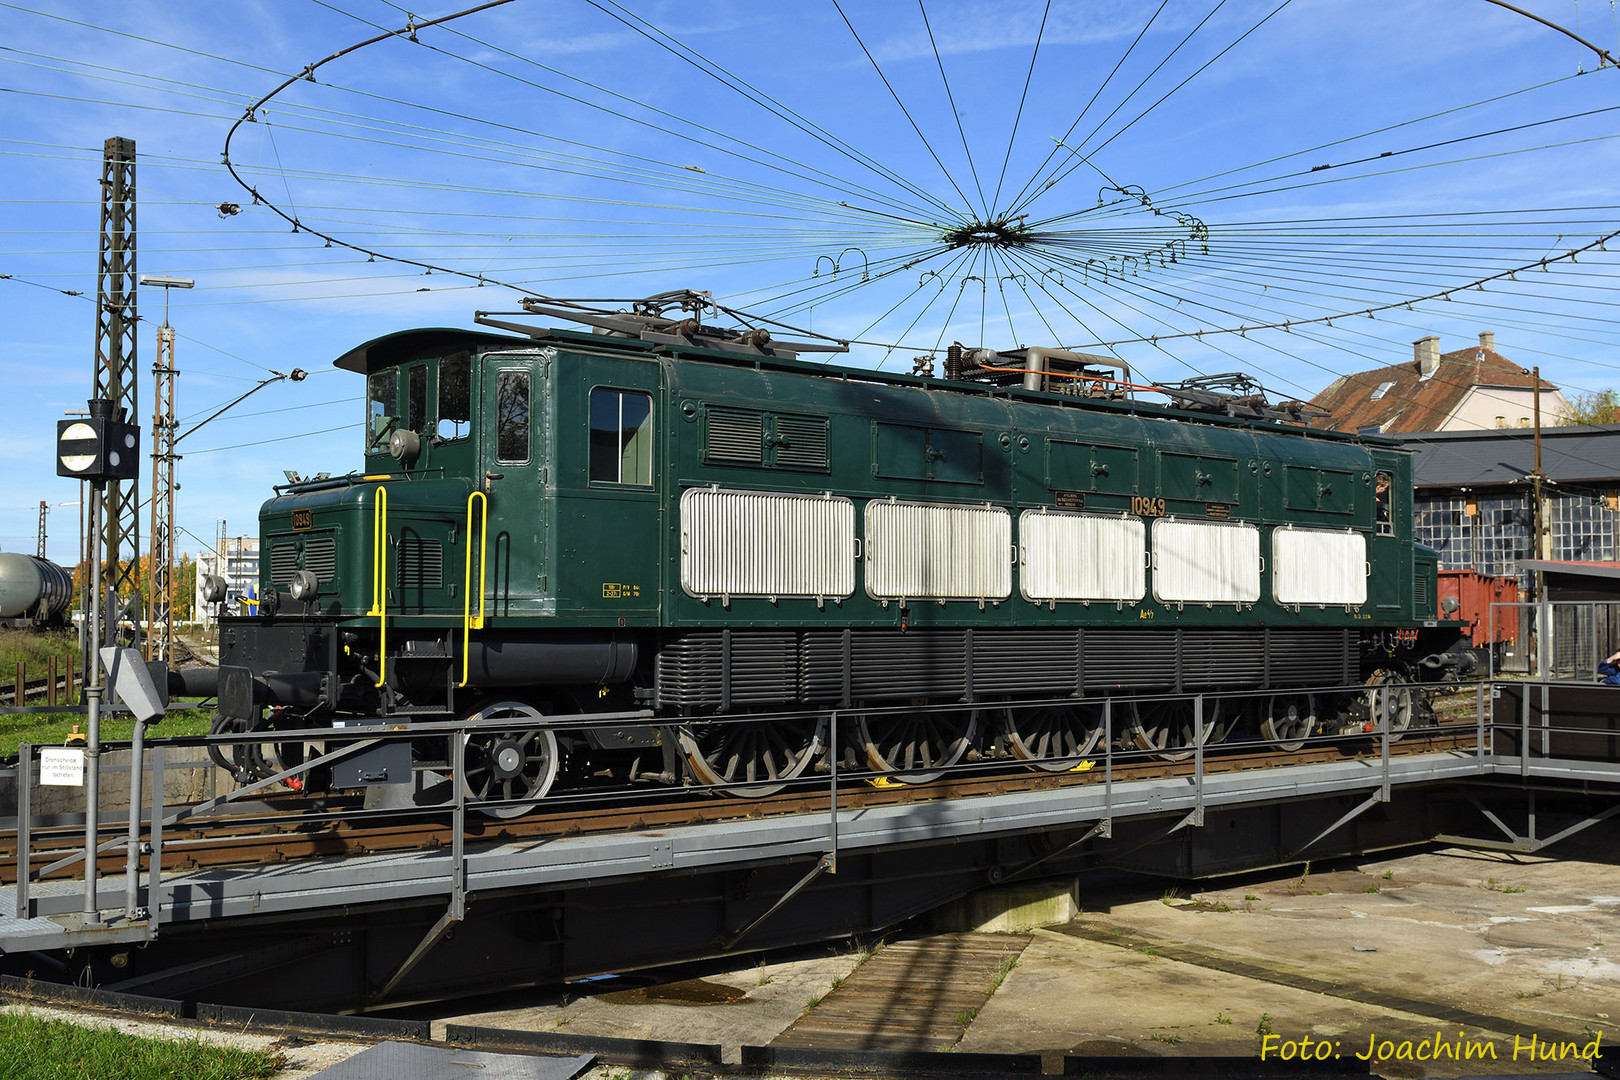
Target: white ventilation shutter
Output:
[
  {"x": 939, "y": 552},
  {"x": 1318, "y": 566},
  {"x": 1205, "y": 562},
  {"x": 1066, "y": 556},
  {"x": 760, "y": 543}
]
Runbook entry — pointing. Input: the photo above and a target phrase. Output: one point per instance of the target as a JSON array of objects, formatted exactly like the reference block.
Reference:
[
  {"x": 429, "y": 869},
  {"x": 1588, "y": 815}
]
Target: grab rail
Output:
[
  {"x": 379, "y": 579},
  {"x": 469, "y": 621}
]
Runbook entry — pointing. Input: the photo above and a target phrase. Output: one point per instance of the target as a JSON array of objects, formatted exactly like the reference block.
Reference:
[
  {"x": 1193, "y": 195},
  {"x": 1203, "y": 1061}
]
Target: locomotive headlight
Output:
[
  {"x": 213, "y": 589},
  {"x": 403, "y": 446},
  {"x": 305, "y": 586}
]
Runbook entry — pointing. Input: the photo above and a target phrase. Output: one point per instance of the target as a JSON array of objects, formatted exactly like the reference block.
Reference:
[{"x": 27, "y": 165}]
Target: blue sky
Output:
[{"x": 1166, "y": 163}]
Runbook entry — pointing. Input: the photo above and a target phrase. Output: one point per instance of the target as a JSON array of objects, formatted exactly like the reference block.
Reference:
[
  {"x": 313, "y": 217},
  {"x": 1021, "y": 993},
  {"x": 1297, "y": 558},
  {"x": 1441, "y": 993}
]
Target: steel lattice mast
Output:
[
  {"x": 116, "y": 376},
  {"x": 160, "y": 597}
]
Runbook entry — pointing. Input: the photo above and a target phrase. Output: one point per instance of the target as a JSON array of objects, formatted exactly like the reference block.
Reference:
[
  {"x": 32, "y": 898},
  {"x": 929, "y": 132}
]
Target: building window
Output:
[
  {"x": 621, "y": 436},
  {"x": 1383, "y": 388},
  {"x": 512, "y": 417}
]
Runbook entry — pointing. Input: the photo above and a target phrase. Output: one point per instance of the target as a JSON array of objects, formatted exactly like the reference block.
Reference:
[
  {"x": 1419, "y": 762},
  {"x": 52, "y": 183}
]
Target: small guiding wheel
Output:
[
  {"x": 517, "y": 765},
  {"x": 751, "y": 759},
  {"x": 1385, "y": 690},
  {"x": 1288, "y": 721},
  {"x": 917, "y": 747},
  {"x": 1052, "y": 738},
  {"x": 1166, "y": 729}
]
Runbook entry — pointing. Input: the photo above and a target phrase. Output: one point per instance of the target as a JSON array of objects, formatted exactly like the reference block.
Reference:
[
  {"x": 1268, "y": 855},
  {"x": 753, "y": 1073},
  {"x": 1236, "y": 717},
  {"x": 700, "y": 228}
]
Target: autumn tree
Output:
[{"x": 1594, "y": 407}]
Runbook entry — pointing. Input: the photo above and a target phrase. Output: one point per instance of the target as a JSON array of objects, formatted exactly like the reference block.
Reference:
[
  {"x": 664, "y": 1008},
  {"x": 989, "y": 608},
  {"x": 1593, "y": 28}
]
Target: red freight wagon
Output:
[{"x": 1475, "y": 593}]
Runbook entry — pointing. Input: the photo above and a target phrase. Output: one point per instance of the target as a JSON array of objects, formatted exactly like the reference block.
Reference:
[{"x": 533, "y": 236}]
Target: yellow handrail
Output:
[
  {"x": 379, "y": 579},
  {"x": 469, "y": 621}
]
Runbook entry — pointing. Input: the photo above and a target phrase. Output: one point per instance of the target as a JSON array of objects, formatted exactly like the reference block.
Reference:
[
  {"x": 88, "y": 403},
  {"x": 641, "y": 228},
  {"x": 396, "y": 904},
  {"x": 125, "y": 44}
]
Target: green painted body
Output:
[{"x": 564, "y": 550}]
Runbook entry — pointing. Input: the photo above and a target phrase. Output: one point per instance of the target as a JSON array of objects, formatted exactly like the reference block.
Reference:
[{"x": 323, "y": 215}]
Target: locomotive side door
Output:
[
  {"x": 512, "y": 456},
  {"x": 610, "y": 525}
]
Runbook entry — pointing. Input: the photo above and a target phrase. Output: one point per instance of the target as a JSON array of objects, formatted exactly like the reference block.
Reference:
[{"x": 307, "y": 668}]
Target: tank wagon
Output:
[
  {"x": 704, "y": 523},
  {"x": 33, "y": 590}
]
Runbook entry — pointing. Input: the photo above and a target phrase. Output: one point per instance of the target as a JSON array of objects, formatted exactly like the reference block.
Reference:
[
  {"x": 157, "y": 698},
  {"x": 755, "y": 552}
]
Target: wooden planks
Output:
[{"x": 911, "y": 995}]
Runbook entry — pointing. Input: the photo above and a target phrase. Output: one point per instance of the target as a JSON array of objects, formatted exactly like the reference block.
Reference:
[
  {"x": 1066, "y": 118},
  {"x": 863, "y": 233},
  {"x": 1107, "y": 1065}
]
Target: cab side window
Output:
[
  {"x": 416, "y": 397},
  {"x": 512, "y": 417},
  {"x": 382, "y": 407},
  {"x": 455, "y": 379},
  {"x": 621, "y": 436}
]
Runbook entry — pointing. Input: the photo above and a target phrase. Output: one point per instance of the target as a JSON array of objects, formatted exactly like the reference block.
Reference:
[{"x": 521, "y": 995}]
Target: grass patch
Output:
[
  {"x": 35, "y": 650},
  {"x": 1002, "y": 971},
  {"x": 38, "y": 1049},
  {"x": 52, "y": 729}
]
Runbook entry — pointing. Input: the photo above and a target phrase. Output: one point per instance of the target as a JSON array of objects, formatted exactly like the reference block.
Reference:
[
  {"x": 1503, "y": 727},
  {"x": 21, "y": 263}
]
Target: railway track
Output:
[{"x": 301, "y": 827}]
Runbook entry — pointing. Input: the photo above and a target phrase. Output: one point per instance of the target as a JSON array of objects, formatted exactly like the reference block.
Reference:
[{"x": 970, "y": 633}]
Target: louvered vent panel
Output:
[
  {"x": 801, "y": 442},
  {"x": 756, "y": 543},
  {"x": 687, "y": 672},
  {"x": 1024, "y": 661},
  {"x": 283, "y": 562},
  {"x": 735, "y": 435},
  {"x": 933, "y": 551},
  {"x": 1310, "y": 657},
  {"x": 320, "y": 558},
  {"x": 691, "y": 672},
  {"x": 1318, "y": 566},
  {"x": 1205, "y": 561},
  {"x": 1227, "y": 658},
  {"x": 1143, "y": 659},
  {"x": 888, "y": 664},
  {"x": 1066, "y": 556},
  {"x": 421, "y": 563},
  {"x": 1422, "y": 602},
  {"x": 821, "y": 667},
  {"x": 764, "y": 667}
]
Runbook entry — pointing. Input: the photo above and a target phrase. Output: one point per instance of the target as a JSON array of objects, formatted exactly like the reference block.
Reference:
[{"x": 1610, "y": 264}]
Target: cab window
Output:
[
  {"x": 455, "y": 398},
  {"x": 416, "y": 397},
  {"x": 382, "y": 409},
  {"x": 512, "y": 417},
  {"x": 1382, "y": 496},
  {"x": 621, "y": 436}
]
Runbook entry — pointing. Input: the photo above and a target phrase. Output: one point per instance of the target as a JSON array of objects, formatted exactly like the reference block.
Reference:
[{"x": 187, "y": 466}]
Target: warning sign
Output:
[{"x": 61, "y": 766}]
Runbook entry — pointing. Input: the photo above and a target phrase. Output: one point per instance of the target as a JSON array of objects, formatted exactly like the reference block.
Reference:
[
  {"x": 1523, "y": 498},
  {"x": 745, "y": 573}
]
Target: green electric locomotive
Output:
[{"x": 657, "y": 514}]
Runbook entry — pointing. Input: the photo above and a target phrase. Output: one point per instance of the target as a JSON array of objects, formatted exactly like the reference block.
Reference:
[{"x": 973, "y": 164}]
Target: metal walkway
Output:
[{"x": 747, "y": 870}]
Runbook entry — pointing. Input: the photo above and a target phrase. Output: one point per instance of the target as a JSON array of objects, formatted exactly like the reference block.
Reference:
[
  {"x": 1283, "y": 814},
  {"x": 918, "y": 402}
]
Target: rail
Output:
[
  {"x": 469, "y": 621},
  {"x": 379, "y": 580}
]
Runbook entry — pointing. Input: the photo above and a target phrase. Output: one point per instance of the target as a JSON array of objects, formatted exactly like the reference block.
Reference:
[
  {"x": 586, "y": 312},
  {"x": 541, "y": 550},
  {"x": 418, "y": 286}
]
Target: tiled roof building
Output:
[{"x": 1469, "y": 389}]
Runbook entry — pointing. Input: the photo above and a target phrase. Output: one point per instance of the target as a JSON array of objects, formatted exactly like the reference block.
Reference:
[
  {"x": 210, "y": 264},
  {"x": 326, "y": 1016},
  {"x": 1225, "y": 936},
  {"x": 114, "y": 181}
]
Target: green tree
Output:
[
  {"x": 1595, "y": 407},
  {"x": 185, "y": 588}
]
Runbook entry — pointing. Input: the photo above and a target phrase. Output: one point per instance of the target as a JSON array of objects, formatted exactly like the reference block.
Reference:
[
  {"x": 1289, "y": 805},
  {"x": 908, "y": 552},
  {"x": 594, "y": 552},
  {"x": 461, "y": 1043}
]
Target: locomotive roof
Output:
[{"x": 402, "y": 345}]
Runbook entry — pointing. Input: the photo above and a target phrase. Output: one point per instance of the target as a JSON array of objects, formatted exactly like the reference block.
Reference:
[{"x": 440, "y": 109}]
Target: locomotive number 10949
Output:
[{"x": 1147, "y": 507}]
